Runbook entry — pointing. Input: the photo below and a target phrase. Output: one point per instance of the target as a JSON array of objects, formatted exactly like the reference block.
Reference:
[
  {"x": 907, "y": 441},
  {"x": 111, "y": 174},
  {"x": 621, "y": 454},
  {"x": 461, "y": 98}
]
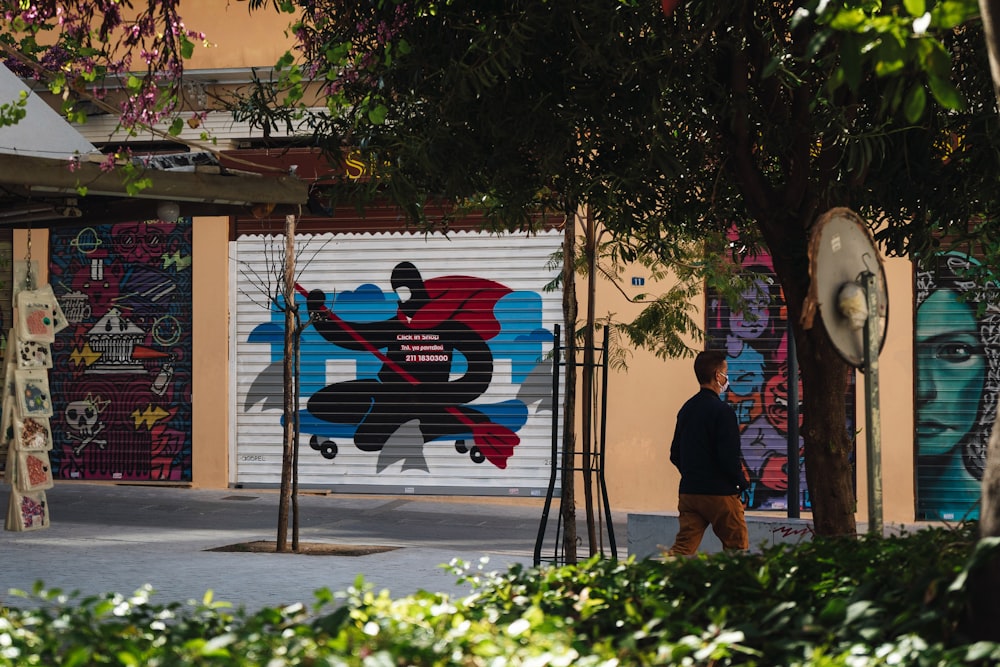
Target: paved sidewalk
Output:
[{"x": 116, "y": 538}]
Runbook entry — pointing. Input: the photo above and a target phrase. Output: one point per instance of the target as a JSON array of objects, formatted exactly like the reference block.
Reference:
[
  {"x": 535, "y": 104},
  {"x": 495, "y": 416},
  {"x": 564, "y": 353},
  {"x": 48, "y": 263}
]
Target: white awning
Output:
[{"x": 42, "y": 132}]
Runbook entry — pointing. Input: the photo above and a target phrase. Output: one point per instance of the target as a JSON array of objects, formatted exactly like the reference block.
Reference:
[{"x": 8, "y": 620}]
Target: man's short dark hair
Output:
[{"x": 707, "y": 364}]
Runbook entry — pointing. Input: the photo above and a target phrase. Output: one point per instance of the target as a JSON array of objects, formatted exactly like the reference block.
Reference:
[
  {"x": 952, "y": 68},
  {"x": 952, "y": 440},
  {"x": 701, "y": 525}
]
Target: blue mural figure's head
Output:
[{"x": 958, "y": 370}]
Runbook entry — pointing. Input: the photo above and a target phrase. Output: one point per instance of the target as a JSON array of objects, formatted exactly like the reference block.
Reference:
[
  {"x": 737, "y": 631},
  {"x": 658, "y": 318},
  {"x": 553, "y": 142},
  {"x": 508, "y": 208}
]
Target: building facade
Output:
[{"x": 172, "y": 370}]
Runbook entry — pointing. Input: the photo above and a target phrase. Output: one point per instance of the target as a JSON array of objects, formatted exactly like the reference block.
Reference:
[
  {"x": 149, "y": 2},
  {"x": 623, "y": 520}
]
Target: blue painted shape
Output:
[{"x": 511, "y": 413}]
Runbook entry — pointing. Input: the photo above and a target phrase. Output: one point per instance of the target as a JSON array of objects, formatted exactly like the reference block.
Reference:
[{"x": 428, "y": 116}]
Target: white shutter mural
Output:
[{"x": 429, "y": 370}]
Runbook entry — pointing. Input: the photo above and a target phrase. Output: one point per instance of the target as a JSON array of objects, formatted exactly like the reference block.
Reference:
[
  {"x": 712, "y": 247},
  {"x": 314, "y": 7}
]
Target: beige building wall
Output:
[
  {"x": 235, "y": 37},
  {"x": 643, "y": 402},
  {"x": 896, "y": 384},
  {"x": 210, "y": 354}
]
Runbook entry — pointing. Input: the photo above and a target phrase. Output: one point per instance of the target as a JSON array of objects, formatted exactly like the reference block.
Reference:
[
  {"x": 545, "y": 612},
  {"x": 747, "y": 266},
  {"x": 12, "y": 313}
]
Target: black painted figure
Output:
[{"x": 437, "y": 322}]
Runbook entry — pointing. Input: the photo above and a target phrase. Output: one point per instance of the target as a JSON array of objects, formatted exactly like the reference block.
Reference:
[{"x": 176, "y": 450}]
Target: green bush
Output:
[{"x": 850, "y": 602}]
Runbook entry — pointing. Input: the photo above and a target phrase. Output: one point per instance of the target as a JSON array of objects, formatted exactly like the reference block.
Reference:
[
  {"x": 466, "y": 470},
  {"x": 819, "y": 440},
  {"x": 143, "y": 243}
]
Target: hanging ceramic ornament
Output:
[
  {"x": 35, "y": 321},
  {"x": 33, "y": 398},
  {"x": 27, "y": 511},
  {"x": 34, "y": 471}
]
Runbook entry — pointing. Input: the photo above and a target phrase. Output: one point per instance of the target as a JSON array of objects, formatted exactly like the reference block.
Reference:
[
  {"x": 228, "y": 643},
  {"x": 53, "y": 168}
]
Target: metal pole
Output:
[
  {"x": 604, "y": 439},
  {"x": 554, "y": 467},
  {"x": 872, "y": 413},
  {"x": 792, "y": 467}
]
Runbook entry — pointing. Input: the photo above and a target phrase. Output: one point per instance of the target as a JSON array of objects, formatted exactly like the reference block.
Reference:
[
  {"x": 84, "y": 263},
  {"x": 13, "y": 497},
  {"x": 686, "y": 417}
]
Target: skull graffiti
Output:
[{"x": 83, "y": 419}]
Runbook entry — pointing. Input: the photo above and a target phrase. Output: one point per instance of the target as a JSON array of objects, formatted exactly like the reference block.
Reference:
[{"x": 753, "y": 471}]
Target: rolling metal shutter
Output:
[
  {"x": 956, "y": 383},
  {"x": 121, "y": 371},
  {"x": 394, "y": 414},
  {"x": 756, "y": 344}
]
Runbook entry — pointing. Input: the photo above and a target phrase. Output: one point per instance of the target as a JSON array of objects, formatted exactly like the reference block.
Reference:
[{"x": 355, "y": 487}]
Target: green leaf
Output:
[
  {"x": 889, "y": 56},
  {"x": 936, "y": 60},
  {"x": 850, "y": 61},
  {"x": 128, "y": 659},
  {"x": 849, "y": 20},
  {"x": 952, "y": 13},
  {"x": 135, "y": 187},
  {"x": 337, "y": 52},
  {"x": 78, "y": 655},
  {"x": 915, "y": 7},
  {"x": 57, "y": 84},
  {"x": 187, "y": 47},
  {"x": 982, "y": 651},
  {"x": 377, "y": 115},
  {"x": 916, "y": 100},
  {"x": 176, "y": 127},
  {"x": 834, "y": 611},
  {"x": 945, "y": 92},
  {"x": 284, "y": 61}
]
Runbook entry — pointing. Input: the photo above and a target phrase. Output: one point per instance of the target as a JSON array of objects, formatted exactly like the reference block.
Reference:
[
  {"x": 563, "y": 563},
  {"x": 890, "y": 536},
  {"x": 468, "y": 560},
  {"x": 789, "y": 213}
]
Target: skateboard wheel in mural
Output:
[
  {"x": 327, "y": 448},
  {"x": 474, "y": 453}
]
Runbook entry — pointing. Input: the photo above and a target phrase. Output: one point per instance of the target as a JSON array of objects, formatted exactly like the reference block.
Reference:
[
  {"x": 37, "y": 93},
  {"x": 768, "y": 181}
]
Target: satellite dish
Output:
[
  {"x": 842, "y": 255},
  {"x": 847, "y": 284}
]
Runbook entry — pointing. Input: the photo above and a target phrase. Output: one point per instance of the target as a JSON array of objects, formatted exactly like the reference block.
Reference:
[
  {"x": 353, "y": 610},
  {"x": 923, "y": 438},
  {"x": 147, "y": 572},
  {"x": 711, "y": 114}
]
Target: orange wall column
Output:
[{"x": 210, "y": 355}]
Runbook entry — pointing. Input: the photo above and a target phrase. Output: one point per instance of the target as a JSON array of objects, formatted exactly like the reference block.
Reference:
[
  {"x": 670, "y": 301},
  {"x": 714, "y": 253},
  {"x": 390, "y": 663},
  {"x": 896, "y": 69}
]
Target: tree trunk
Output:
[
  {"x": 567, "y": 503},
  {"x": 287, "y": 451},
  {"x": 828, "y": 444},
  {"x": 984, "y": 583}
]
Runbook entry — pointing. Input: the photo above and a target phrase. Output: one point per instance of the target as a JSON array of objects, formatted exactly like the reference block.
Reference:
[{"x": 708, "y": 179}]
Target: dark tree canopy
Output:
[{"x": 518, "y": 105}]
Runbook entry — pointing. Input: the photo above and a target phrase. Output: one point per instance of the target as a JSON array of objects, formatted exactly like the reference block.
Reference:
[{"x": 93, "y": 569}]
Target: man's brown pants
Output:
[{"x": 697, "y": 512}]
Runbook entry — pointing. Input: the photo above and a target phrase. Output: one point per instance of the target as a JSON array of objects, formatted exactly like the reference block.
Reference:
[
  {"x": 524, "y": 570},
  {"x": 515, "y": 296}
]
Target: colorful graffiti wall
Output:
[
  {"x": 121, "y": 376},
  {"x": 756, "y": 343},
  {"x": 957, "y": 371},
  {"x": 424, "y": 367}
]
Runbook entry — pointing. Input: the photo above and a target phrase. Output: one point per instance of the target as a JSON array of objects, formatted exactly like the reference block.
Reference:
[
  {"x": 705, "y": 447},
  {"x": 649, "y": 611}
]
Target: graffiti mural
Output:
[
  {"x": 957, "y": 347},
  {"x": 756, "y": 343},
  {"x": 121, "y": 376},
  {"x": 436, "y": 322},
  {"x": 425, "y": 373}
]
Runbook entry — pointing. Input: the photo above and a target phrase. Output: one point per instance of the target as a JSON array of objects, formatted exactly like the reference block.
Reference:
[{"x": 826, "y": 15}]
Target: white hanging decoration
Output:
[{"x": 25, "y": 432}]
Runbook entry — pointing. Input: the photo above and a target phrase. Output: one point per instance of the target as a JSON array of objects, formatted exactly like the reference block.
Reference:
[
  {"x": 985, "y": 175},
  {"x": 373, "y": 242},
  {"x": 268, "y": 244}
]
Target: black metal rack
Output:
[{"x": 591, "y": 466}]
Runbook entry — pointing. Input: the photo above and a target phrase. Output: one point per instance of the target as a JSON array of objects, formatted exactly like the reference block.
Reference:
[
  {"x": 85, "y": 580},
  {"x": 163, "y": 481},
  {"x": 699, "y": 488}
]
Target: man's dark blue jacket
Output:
[{"x": 706, "y": 447}]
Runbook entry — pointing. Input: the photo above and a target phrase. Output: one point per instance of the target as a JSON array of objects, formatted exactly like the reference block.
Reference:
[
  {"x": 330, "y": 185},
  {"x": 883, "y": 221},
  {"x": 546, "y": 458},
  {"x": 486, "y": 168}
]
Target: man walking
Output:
[{"x": 706, "y": 450}]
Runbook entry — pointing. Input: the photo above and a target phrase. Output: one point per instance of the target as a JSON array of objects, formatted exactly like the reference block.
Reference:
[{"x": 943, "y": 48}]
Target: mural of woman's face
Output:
[
  {"x": 951, "y": 369},
  {"x": 752, "y": 322}
]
